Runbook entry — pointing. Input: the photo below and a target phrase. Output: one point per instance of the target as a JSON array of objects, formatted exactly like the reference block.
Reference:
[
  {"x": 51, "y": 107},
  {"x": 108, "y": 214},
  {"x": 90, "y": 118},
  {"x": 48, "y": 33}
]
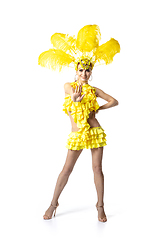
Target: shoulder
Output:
[
  {"x": 67, "y": 84},
  {"x": 100, "y": 93},
  {"x": 67, "y": 87}
]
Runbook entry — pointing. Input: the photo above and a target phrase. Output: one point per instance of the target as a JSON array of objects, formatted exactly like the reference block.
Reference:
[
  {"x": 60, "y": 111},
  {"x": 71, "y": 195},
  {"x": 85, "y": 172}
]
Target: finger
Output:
[
  {"x": 80, "y": 89},
  {"x": 82, "y": 96},
  {"x": 72, "y": 90}
]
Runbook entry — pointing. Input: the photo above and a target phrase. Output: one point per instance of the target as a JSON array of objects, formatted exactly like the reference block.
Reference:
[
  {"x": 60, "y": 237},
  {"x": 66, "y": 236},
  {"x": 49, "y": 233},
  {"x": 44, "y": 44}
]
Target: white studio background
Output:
[{"x": 34, "y": 129}]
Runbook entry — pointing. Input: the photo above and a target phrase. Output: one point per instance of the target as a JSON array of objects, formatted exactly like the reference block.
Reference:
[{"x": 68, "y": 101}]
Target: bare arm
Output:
[
  {"x": 111, "y": 102},
  {"x": 67, "y": 88}
]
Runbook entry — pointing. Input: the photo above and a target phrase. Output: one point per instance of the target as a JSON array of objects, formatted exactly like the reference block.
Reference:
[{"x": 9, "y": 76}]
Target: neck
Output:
[{"x": 82, "y": 82}]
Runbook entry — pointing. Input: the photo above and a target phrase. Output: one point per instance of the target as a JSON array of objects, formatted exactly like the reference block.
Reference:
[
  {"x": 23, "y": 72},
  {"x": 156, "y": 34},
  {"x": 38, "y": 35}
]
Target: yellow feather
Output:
[
  {"x": 54, "y": 59},
  {"x": 64, "y": 42},
  {"x": 107, "y": 51},
  {"x": 67, "y": 50},
  {"x": 88, "y": 38}
]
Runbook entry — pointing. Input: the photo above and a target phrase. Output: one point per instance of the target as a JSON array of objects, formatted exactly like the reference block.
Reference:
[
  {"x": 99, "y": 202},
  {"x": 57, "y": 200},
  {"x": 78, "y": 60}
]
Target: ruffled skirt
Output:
[{"x": 94, "y": 138}]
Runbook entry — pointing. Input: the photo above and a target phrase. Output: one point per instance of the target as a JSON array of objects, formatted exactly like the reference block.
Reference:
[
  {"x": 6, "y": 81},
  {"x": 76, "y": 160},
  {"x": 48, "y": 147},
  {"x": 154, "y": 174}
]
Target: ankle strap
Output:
[
  {"x": 99, "y": 205},
  {"x": 56, "y": 205}
]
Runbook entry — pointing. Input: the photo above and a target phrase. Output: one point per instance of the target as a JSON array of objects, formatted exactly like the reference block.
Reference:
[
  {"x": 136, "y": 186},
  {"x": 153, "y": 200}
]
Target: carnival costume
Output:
[
  {"x": 84, "y": 50},
  {"x": 86, "y": 137}
]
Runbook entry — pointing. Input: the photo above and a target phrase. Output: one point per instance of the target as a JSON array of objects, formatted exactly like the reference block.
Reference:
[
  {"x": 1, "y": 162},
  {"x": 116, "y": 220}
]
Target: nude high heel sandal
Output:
[
  {"x": 55, "y": 209},
  {"x": 104, "y": 219},
  {"x": 46, "y": 217}
]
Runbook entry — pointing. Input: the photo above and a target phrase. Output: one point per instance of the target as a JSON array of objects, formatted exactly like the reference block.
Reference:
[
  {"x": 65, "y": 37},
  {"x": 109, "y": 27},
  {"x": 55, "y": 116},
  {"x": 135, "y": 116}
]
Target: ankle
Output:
[
  {"x": 54, "y": 204},
  {"x": 100, "y": 204}
]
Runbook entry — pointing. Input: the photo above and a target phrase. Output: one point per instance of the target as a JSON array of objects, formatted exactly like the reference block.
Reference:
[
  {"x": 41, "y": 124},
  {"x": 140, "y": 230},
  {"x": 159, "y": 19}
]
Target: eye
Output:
[
  {"x": 88, "y": 70},
  {"x": 80, "y": 70}
]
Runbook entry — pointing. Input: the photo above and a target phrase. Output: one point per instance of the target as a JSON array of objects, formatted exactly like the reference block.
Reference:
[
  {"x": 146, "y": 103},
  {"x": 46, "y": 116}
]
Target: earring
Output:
[
  {"x": 91, "y": 78},
  {"x": 75, "y": 77}
]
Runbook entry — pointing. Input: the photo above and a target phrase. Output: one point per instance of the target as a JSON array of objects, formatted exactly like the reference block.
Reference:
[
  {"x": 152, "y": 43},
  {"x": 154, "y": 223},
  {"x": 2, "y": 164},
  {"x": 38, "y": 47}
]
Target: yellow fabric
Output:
[
  {"x": 94, "y": 139},
  {"x": 80, "y": 113}
]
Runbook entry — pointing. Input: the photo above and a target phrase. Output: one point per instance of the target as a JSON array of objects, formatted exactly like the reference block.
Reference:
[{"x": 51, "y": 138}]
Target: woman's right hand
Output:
[{"x": 76, "y": 94}]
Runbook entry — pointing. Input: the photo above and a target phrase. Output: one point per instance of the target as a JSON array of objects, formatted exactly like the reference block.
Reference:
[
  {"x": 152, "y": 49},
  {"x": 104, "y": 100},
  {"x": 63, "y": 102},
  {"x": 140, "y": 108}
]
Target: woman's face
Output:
[{"x": 83, "y": 75}]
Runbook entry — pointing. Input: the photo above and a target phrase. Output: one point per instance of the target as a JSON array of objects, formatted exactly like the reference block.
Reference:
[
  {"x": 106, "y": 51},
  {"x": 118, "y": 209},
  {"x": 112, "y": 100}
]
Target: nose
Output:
[{"x": 84, "y": 72}]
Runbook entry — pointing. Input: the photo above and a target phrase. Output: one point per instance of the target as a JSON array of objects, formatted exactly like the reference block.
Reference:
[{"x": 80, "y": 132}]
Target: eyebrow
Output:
[{"x": 84, "y": 69}]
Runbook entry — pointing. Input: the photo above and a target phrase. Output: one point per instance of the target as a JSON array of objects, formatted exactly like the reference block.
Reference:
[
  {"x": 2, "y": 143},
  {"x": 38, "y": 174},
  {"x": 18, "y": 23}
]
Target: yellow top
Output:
[{"x": 80, "y": 110}]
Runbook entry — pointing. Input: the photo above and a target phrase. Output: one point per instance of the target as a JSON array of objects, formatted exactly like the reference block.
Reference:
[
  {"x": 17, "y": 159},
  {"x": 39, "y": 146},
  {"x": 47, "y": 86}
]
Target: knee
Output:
[{"x": 97, "y": 169}]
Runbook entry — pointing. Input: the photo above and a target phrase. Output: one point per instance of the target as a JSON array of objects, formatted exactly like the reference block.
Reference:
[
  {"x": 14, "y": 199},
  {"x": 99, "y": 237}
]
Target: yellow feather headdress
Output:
[{"x": 85, "y": 50}]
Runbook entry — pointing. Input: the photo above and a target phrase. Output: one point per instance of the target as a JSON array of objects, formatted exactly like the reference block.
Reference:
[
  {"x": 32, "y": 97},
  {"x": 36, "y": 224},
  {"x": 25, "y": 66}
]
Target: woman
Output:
[
  {"x": 81, "y": 105},
  {"x": 72, "y": 156}
]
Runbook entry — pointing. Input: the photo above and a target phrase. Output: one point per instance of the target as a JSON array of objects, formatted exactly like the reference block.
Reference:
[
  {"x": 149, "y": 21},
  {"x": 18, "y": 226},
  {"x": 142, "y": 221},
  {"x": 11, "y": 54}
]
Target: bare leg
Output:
[
  {"x": 62, "y": 180},
  {"x": 97, "y": 154}
]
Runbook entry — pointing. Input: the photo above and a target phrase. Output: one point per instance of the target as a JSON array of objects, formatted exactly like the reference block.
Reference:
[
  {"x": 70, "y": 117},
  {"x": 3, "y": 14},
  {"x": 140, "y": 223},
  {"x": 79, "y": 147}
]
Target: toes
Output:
[
  {"x": 103, "y": 219},
  {"x": 46, "y": 217}
]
